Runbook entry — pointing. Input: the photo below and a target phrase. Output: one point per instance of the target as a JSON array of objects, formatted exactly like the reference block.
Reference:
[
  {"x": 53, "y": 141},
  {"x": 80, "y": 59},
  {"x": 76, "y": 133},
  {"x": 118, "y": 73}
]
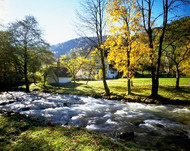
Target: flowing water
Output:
[{"x": 150, "y": 124}]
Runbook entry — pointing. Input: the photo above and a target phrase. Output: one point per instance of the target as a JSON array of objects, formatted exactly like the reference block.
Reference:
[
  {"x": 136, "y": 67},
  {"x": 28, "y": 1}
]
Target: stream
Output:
[{"x": 143, "y": 124}]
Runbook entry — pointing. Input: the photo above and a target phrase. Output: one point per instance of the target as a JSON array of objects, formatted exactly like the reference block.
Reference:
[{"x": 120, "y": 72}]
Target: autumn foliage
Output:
[{"x": 126, "y": 43}]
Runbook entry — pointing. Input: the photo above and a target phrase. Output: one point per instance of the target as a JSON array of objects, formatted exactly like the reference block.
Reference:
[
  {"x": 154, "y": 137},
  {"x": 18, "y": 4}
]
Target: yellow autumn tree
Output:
[
  {"x": 126, "y": 44},
  {"x": 73, "y": 64}
]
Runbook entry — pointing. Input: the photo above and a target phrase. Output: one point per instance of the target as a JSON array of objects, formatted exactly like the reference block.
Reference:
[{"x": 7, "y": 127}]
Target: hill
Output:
[{"x": 66, "y": 47}]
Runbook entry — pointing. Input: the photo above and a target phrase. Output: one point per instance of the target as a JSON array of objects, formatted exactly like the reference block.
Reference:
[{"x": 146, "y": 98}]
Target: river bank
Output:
[
  {"x": 18, "y": 132},
  {"x": 147, "y": 125},
  {"x": 140, "y": 90}
]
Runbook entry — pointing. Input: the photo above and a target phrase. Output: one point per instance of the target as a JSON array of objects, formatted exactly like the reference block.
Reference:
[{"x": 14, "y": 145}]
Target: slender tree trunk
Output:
[
  {"x": 177, "y": 77},
  {"x": 142, "y": 73},
  {"x": 158, "y": 66},
  {"x": 165, "y": 8},
  {"x": 153, "y": 75},
  {"x": 87, "y": 82},
  {"x": 5, "y": 87},
  {"x": 131, "y": 82},
  {"x": 44, "y": 84},
  {"x": 128, "y": 86},
  {"x": 26, "y": 70},
  {"x": 89, "y": 76},
  {"x": 153, "y": 69},
  {"x": 74, "y": 79},
  {"x": 107, "y": 90},
  {"x": 128, "y": 76},
  {"x": 153, "y": 90}
]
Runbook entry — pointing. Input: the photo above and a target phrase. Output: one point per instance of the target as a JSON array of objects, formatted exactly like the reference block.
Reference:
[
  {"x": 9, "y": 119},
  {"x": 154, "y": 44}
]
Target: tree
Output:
[
  {"x": 73, "y": 64},
  {"x": 26, "y": 37},
  {"x": 177, "y": 45},
  {"x": 125, "y": 43},
  {"x": 10, "y": 66},
  {"x": 92, "y": 17},
  {"x": 156, "y": 49},
  {"x": 47, "y": 63},
  {"x": 89, "y": 67}
]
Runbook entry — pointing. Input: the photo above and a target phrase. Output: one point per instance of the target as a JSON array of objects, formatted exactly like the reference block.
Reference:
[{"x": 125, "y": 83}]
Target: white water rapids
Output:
[{"x": 105, "y": 116}]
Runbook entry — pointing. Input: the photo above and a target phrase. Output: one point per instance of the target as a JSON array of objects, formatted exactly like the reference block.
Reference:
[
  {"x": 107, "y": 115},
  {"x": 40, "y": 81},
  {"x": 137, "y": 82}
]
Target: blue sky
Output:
[{"x": 56, "y": 17}]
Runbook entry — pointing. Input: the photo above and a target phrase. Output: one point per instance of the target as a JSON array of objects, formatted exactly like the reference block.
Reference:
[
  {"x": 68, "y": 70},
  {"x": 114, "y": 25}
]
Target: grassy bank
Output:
[
  {"x": 141, "y": 89},
  {"x": 18, "y": 133}
]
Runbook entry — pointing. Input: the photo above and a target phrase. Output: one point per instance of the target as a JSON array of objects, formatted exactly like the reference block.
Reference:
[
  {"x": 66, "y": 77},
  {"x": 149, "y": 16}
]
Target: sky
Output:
[{"x": 56, "y": 17}]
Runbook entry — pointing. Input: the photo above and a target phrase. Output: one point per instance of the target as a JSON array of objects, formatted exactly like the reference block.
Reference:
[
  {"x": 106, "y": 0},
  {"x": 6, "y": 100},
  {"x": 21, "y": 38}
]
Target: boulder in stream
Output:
[{"x": 126, "y": 136}]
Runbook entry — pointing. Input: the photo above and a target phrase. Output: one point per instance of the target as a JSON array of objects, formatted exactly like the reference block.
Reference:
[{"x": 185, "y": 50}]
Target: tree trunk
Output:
[
  {"x": 128, "y": 86},
  {"x": 128, "y": 76},
  {"x": 158, "y": 65},
  {"x": 5, "y": 87},
  {"x": 154, "y": 91},
  {"x": 74, "y": 79},
  {"x": 177, "y": 77},
  {"x": 26, "y": 71},
  {"x": 44, "y": 84},
  {"x": 89, "y": 76},
  {"x": 149, "y": 32},
  {"x": 131, "y": 82},
  {"x": 107, "y": 90},
  {"x": 142, "y": 73},
  {"x": 165, "y": 8}
]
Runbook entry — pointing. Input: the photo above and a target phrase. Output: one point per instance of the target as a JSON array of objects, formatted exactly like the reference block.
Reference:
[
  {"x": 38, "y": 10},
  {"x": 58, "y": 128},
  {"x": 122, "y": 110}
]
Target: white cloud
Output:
[{"x": 2, "y": 10}]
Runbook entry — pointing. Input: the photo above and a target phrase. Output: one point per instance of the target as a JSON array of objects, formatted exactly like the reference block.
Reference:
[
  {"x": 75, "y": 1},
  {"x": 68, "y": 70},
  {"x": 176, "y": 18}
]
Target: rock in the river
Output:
[
  {"x": 25, "y": 109},
  {"x": 158, "y": 125},
  {"x": 137, "y": 122},
  {"x": 126, "y": 136},
  {"x": 37, "y": 89},
  {"x": 65, "y": 104}
]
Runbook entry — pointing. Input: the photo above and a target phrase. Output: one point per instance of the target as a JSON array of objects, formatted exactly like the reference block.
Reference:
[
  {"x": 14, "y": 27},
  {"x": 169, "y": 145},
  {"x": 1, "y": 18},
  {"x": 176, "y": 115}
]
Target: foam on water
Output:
[{"x": 98, "y": 114}]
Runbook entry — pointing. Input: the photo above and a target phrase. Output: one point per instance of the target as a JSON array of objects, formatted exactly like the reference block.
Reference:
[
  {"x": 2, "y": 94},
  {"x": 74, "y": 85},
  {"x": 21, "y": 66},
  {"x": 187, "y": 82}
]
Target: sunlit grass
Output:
[
  {"x": 118, "y": 87},
  {"x": 19, "y": 133},
  {"x": 162, "y": 81}
]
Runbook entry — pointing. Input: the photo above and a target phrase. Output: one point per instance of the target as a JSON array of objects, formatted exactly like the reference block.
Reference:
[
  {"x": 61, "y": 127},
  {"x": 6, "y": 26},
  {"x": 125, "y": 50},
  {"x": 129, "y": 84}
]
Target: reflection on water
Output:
[{"x": 147, "y": 122}]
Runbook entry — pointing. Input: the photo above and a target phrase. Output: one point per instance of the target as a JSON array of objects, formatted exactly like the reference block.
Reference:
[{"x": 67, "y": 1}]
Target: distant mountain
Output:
[{"x": 65, "y": 47}]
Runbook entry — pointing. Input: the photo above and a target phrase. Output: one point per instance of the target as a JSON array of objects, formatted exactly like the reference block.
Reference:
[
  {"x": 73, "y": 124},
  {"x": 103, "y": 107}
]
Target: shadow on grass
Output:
[
  {"x": 183, "y": 92},
  {"x": 141, "y": 91},
  {"x": 12, "y": 126},
  {"x": 71, "y": 88},
  {"x": 67, "y": 85},
  {"x": 18, "y": 132}
]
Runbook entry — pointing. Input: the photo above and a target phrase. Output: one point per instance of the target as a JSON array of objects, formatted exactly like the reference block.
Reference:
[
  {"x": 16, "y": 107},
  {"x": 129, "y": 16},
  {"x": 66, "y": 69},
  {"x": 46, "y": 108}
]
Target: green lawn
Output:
[
  {"x": 162, "y": 81},
  {"x": 19, "y": 133},
  {"x": 141, "y": 89}
]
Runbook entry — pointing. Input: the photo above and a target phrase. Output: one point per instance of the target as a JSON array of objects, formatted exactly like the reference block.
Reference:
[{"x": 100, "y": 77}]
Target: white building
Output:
[{"x": 60, "y": 76}]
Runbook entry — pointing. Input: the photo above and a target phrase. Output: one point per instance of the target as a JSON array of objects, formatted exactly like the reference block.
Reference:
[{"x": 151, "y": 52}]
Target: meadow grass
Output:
[
  {"x": 118, "y": 87},
  {"x": 162, "y": 81},
  {"x": 18, "y": 133}
]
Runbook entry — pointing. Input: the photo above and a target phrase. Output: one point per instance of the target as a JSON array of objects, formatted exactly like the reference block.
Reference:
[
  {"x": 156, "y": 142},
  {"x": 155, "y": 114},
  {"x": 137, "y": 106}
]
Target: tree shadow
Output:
[
  {"x": 182, "y": 92},
  {"x": 177, "y": 141},
  {"x": 67, "y": 85},
  {"x": 72, "y": 88},
  {"x": 13, "y": 125}
]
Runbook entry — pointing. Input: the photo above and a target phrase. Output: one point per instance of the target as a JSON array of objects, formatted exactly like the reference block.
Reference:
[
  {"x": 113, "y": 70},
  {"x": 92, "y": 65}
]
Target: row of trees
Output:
[
  {"x": 134, "y": 40},
  {"x": 81, "y": 60},
  {"x": 23, "y": 54}
]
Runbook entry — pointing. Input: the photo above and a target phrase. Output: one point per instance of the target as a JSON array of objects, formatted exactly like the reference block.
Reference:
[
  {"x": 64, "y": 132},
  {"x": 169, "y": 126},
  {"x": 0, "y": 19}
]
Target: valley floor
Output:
[{"x": 141, "y": 90}]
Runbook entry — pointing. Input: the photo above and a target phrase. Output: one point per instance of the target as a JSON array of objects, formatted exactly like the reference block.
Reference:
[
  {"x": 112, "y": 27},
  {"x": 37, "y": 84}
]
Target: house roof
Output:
[{"x": 63, "y": 72}]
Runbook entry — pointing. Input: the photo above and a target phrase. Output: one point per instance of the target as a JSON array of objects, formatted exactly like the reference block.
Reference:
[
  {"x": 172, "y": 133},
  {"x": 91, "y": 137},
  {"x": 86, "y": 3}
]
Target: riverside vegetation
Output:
[
  {"x": 134, "y": 42},
  {"x": 140, "y": 90}
]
